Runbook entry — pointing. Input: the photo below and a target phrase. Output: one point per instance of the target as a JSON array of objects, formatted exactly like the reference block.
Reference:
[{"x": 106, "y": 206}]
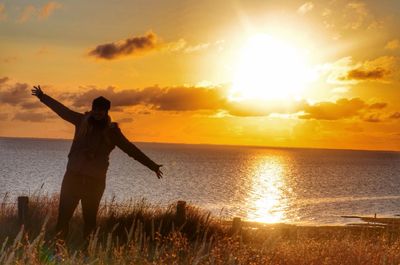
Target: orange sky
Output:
[{"x": 299, "y": 74}]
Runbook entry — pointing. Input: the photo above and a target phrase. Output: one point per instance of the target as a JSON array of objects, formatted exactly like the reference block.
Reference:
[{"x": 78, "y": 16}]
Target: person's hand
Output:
[
  {"x": 37, "y": 91},
  {"x": 159, "y": 173}
]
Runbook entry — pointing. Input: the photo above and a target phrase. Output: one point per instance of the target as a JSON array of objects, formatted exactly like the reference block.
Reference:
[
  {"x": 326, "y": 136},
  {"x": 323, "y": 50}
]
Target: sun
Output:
[{"x": 269, "y": 69}]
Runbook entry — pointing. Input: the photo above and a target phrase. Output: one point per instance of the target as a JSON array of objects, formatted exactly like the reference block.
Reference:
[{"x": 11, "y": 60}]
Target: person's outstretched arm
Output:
[
  {"x": 125, "y": 145},
  {"x": 62, "y": 111}
]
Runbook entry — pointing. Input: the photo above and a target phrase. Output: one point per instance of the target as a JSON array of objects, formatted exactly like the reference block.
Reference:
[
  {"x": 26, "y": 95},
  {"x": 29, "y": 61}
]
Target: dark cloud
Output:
[
  {"x": 188, "y": 98},
  {"x": 214, "y": 99},
  {"x": 131, "y": 46},
  {"x": 379, "y": 105},
  {"x": 395, "y": 115},
  {"x": 362, "y": 74},
  {"x": 180, "y": 99},
  {"x": 168, "y": 98},
  {"x": 343, "y": 109},
  {"x": 32, "y": 104},
  {"x": 129, "y": 97},
  {"x": 3, "y": 80},
  {"x": 32, "y": 116},
  {"x": 373, "y": 118},
  {"x": 15, "y": 94},
  {"x": 207, "y": 100}
]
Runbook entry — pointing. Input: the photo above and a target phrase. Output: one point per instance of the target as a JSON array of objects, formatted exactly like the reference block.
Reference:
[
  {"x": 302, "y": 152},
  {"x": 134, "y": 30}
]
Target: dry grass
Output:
[{"x": 140, "y": 233}]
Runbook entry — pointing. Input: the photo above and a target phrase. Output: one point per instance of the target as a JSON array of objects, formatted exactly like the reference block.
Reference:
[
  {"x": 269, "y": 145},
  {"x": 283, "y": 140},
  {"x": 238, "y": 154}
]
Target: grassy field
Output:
[{"x": 140, "y": 233}]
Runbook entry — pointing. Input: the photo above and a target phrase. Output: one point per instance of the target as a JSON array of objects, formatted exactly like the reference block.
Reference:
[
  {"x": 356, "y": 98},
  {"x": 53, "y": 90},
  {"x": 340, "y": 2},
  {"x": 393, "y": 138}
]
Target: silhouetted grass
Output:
[{"x": 141, "y": 233}]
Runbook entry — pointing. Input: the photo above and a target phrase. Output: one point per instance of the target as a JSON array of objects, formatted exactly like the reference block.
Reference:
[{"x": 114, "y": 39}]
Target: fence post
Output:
[
  {"x": 23, "y": 202},
  {"x": 236, "y": 225},
  {"x": 180, "y": 216}
]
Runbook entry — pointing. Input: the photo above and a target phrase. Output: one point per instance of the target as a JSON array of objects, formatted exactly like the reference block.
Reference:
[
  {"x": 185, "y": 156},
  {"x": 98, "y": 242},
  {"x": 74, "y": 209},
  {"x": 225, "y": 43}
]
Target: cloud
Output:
[
  {"x": 393, "y": 45},
  {"x": 9, "y": 59},
  {"x": 41, "y": 13},
  {"x": 213, "y": 101},
  {"x": 4, "y": 80},
  {"x": 196, "y": 48},
  {"x": 305, "y": 8},
  {"x": 364, "y": 74},
  {"x": 3, "y": 15},
  {"x": 18, "y": 94},
  {"x": 28, "y": 12},
  {"x": 378, "y": 105},
  {"x": 342, "y": 109},
  {"x": 203, "y": 46},
  {"x": 14, "y": 94},
  {"x": 373, "y": 118},
  {"x": 32, "y": 116},
  {"x": 381, "y": 69},
  {"x": 48, "y": 9},
  {"x": 174, "y": 46},
  {"x": 345, "y": 17},
  {"x": 184, "y": 98},
  {"x": 166, "y": 98},
  {"x": 32, "y": 104},
  {"x": 340, "y": 90},
  {"x": 131, "y": 46},
  {"x": 359, "y": 13},
  {"x": 395, "y": 115}
]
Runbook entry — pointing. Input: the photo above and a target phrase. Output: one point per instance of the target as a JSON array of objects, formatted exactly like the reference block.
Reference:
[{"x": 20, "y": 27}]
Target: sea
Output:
[{"x": 271, "y": 185}]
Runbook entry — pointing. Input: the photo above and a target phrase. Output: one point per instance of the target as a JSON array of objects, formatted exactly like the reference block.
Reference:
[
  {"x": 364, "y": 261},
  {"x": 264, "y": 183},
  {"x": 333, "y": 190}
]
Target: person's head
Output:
[{"x": 100, "y": 107}]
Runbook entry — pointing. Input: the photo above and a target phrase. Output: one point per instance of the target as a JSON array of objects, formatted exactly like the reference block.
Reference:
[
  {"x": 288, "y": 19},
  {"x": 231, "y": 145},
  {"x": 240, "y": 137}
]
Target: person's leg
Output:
[
  {"x": 90, "y": 205},
  {"x": 69, "y": 199}
]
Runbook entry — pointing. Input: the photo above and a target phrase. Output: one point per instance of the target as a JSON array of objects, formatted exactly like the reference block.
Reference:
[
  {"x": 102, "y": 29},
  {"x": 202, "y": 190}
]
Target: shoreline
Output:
[{"x": 149, "y": 234}]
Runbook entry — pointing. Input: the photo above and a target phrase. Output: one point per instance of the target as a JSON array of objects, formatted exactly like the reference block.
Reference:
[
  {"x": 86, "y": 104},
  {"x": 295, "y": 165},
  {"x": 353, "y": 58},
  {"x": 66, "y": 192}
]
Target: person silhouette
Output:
[{"x": 88, "y": 159}]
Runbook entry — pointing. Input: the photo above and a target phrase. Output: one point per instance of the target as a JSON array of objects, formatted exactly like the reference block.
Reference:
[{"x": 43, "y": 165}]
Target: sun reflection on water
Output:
[{"x": 266, "y": 202}]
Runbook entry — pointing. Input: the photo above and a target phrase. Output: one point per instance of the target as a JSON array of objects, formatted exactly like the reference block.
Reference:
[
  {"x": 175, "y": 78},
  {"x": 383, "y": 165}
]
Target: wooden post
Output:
[
  {"x": 236, "y": 225},
  {"x": 180, "y": 216},
  {"x": 23, "y": 208}
]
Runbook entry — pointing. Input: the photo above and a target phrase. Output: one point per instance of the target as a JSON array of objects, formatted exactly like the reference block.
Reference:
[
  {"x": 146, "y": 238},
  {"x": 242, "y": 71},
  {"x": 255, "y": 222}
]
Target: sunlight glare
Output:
[
  {"x": 269, "y": 69},
  {"x": 266, "y": 201}
]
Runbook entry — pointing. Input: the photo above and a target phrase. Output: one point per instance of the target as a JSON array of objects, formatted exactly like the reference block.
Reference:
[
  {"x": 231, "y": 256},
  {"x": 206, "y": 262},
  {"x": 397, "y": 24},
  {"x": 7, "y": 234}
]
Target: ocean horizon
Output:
[{"x": 257, "y": 183}]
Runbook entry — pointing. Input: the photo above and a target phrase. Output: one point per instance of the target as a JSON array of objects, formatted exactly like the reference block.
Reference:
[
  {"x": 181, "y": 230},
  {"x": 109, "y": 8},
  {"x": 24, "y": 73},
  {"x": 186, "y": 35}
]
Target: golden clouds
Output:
[
  {"x": 393, "y": 45},
  {"x": 342, "y": 108},
  {"x": 350, "y": 109},
  {"x": 3, "y": 15},
  {"x": 48, "y": 9},
  {"x": 305, "y": 8},
  {"x": 27, "y": 13},
  {"x": 178, "y": 98},
  {"x": 14, "y": 94},
  {"x": 41, "y": 13},
  {"x": 381, "y": 69},
  {"x": 378, "y": 73}
]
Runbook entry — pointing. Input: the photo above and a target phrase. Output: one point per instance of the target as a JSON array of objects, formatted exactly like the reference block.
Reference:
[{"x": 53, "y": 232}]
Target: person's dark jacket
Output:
[{"x": 90, "y": 155}]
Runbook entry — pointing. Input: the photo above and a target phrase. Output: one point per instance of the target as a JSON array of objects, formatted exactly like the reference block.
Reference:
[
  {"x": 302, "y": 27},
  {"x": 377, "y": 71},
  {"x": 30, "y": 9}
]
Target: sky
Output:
[{"x": 318, "y": 74}]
